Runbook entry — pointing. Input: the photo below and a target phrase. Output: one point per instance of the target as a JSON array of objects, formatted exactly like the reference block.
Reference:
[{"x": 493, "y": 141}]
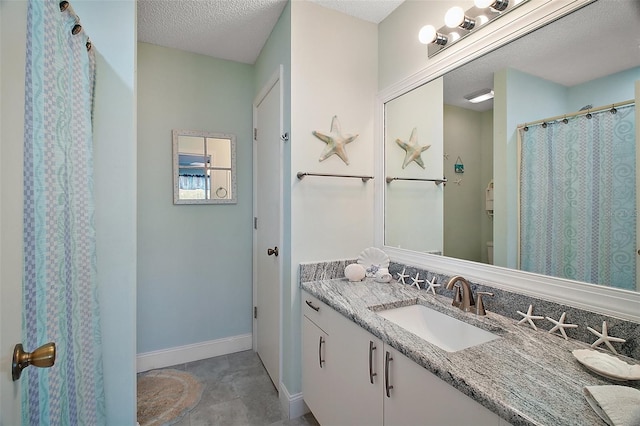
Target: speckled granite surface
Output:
[
  {"x": 527, "y": 377},
  {"x": 506, "y": 304}
]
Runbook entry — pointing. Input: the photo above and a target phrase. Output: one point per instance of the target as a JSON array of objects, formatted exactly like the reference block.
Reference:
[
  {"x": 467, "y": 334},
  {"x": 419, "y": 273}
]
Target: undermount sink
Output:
[{"x": 447, "y": 333}]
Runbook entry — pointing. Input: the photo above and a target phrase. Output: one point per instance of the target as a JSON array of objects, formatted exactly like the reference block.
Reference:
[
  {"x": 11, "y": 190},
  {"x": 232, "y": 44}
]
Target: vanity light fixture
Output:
[
  {"x": 480, "y": 96},
  {"x": 498, "y": 5},
  {"x": 455, "y": 17},
  {"x": 428, "y": 34},
  {"x": 459, "y": 23}
]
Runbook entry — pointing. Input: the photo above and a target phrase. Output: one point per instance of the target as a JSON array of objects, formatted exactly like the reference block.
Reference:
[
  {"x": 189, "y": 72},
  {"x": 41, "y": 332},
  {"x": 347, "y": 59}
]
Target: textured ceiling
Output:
[
  {"x": 600, "y": 39},
  {"x": 234, "y": 30}
]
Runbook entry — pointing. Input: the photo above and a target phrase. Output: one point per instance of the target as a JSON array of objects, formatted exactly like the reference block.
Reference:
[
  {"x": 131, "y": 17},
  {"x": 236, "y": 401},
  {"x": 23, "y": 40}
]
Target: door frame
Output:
[{"x": 276, "y": 77}]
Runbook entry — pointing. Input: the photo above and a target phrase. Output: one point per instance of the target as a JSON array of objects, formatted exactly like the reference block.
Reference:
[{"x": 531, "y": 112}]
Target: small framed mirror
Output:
[{"x": 204, "y": 167}]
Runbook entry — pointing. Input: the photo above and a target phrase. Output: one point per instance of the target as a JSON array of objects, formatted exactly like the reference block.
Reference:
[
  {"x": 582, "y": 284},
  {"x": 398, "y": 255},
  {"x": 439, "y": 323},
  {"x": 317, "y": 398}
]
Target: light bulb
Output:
[
  {"x": 498, "y": 5},
  {"x": 454, "y": 17},
  {"x": 482, "y": 4},
  {"x": 427, "y": 34}
]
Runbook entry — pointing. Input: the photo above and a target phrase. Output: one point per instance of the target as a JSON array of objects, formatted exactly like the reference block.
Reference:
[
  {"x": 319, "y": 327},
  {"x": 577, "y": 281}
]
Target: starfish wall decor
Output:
[
  {"x": 413, "y": 150},
  {"x": 336, "y": 141}
]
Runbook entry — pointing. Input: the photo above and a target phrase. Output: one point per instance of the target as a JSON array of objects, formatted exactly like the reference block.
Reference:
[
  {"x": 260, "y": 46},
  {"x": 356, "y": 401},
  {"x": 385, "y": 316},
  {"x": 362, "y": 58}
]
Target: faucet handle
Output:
[
  {"x": 457, "y": 298},
  {"x": 480, "y": 306}
]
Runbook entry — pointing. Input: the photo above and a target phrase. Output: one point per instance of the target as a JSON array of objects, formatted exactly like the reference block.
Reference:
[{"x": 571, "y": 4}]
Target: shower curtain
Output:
[
  {"x": 578, "y": 198},
  {"x": 59, "y": 277}
]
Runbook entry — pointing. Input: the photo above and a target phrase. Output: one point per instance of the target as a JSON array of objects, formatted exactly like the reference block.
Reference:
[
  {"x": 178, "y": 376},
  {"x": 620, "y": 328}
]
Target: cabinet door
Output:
[
  {"x": 316, "y": 373},
  {"x": 418, "y": 397},
  {"x": 359, "y": 376}
]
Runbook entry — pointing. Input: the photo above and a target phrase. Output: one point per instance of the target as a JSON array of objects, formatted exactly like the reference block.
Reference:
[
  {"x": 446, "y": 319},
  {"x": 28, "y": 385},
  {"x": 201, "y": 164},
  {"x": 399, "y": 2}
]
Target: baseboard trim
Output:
[
  {"x": 188, "y": 353},
  {"x": 294, "y": 405}
]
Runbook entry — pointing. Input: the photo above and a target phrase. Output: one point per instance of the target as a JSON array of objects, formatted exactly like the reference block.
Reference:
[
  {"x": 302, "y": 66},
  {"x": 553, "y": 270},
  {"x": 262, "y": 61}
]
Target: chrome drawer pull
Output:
[
  {"x": 371, "y": 349},
  {"x": 309, "y": 304}
]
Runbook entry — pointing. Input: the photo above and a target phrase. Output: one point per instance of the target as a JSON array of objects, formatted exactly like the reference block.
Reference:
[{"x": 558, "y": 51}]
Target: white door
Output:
[
  {"x": 268, "y": 226},
  {"x": 637, "y": 96},
  {"x": 13, "y": 16}
]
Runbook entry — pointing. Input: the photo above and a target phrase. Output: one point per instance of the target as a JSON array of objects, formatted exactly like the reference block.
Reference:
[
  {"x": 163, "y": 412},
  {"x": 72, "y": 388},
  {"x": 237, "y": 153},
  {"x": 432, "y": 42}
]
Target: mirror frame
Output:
[
  {"x": 526, "y": 18},
  {"x": 176, "y": 133}
]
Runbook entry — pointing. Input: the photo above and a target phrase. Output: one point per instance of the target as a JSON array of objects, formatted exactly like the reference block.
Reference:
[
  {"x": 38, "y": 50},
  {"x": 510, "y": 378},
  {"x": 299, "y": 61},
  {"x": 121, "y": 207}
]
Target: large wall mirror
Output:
[
  {"x": 555, "y": 70},
  {"x": 204, "y": 167}
]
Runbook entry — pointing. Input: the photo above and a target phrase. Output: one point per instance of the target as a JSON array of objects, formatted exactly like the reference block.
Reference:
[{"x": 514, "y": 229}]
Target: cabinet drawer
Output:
[{"x": 318, "y": 312}]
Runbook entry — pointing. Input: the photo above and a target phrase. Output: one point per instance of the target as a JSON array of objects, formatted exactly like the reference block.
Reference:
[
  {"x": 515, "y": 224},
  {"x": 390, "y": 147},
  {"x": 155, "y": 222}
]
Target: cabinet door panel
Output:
[
  {"x": 362, "y": 401},
  {"x": 418, "y": 397},
  {"x": 316, "y": 378}
]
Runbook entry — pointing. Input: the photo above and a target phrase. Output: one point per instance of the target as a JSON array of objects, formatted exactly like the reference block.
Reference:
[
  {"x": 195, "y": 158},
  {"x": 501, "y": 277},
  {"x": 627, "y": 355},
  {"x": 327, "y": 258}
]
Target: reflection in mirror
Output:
[
  {"x": 553, "y": 71},
  {"x": 413, "y": 152},
  {"x": 204, "y": 167}
]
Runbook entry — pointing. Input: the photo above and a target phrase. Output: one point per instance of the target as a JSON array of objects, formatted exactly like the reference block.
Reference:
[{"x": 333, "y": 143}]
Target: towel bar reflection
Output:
[
  {"x": 301, "y": 175},
  {"x": 436, "y": 181}
]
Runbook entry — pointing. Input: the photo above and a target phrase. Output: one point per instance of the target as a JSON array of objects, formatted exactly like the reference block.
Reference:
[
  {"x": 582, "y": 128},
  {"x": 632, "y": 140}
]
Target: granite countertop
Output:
[{"x": 527, "y": 377}]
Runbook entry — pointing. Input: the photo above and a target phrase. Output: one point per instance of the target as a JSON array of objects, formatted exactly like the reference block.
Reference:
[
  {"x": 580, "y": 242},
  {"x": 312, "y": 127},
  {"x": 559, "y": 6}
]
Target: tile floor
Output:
[{"x": 237, "y": 392}]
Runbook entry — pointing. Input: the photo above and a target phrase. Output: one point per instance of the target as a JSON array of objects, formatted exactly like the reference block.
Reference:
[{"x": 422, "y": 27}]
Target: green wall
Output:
[{"x": 194, "y": 261}]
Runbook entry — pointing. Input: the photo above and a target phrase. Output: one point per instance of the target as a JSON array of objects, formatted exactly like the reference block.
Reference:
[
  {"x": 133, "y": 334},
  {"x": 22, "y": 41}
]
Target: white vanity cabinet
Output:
[
  {"x": 339, "y": 391},
  {"x": 363, "y": 381},
  {"x": 418, "y": 397},
  {"x": 316, "y": 380}
]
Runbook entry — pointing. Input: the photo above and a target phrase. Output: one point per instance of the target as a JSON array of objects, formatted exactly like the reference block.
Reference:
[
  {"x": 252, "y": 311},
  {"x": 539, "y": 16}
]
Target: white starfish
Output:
[
  {"x": 529, "y": 317},
  {"x": 605, "y": 338},
  {"x": 413, "y": 150},
  {"x": 402, "y": 276},
  {"x": 432, "y": 285},
  {"x": 560, "y": 325},
  {"x": 416, "y": 281},
  {"x": 335, "y": 141}
]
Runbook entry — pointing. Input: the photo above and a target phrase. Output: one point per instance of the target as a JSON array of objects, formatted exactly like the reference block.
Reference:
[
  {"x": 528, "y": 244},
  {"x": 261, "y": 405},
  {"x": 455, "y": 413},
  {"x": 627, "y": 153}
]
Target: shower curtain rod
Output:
[{"x": 575, "y": 114}]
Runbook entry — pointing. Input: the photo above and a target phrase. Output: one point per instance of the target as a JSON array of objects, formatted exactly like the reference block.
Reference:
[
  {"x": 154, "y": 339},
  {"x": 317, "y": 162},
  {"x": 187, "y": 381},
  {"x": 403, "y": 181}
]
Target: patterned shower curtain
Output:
[
  {"x": 59, "y": 288},
  {"x": 578, "y": 198}
]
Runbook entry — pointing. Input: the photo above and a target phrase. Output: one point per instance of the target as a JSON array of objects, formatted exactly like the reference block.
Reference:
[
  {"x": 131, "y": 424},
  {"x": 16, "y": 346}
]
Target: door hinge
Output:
[
  {"x": 255, "y": 133},
  {"x": 255, "y": 223},
  {"x": 255, "y": 312}
]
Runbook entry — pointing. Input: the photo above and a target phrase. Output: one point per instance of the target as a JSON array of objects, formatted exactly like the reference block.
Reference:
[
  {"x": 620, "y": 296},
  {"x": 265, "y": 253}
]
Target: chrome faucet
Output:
[{"x": 466, "y": 302}]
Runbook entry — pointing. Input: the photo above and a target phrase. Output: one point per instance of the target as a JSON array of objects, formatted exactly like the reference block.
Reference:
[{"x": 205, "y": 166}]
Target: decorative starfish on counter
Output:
[
  {"x": 605, "y": 338},
  {"x": 416, "y": 281},
  {"x": 335, "y": 141},
  {"x": 414, "y": 151},
  {"x": 529, "y": 317},
  {"x": 560, "y": 325},
  {"x": 402, "y": 276},
  {"x": 432, "y": 285}
]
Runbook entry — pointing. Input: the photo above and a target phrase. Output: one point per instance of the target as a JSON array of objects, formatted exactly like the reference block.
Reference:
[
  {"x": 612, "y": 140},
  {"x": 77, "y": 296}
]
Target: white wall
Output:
[
  {"x": 194, "y": 261},
  {"x": 333, "y": 63}
]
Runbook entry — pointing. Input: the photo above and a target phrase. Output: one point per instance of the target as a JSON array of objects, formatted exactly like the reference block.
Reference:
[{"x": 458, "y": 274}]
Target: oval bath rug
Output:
[{"x": 165, "y": 396}]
